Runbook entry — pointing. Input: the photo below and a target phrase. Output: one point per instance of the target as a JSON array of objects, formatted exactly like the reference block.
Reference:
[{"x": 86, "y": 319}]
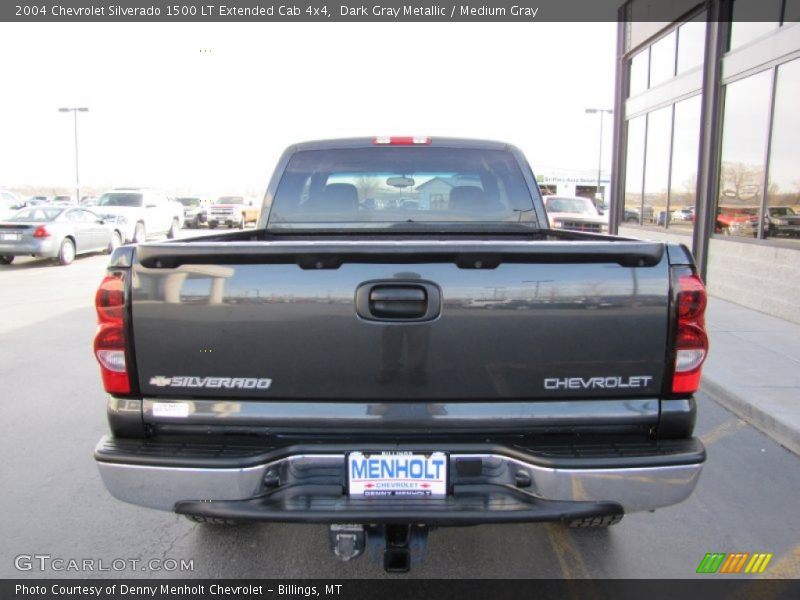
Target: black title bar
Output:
[
  {"x": 395, "y": 589},
  {"x": 287, "y": 11}
]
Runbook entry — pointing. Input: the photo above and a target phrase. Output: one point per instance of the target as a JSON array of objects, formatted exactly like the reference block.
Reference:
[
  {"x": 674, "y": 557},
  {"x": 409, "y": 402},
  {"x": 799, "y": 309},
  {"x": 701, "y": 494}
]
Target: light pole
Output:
[
  {"x": 602, "y": 111},
  {"x": 75, "y": 112}
]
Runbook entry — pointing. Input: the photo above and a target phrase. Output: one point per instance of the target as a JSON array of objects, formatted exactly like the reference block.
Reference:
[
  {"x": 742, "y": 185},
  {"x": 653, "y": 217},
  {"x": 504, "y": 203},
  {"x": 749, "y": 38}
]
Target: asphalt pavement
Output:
[{"x": 54, "y": 503}]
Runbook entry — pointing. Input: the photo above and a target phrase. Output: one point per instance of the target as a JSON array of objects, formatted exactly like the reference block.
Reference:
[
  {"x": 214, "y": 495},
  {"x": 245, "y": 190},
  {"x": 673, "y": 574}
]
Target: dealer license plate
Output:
[
  {"x": 9, "y": 237},
  {"x": 396, "y": 474}
]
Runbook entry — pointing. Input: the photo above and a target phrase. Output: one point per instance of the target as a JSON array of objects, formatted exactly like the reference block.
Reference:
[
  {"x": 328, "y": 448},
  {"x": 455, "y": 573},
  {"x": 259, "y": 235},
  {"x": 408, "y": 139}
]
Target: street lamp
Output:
[
  {"x": 602, "y": 111},
  {"x": 75, "y": 112}
]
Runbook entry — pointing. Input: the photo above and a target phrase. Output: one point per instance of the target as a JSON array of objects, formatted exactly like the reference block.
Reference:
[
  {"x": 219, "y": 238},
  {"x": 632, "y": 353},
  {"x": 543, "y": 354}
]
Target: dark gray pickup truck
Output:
[{"x": 401, "y": 344}]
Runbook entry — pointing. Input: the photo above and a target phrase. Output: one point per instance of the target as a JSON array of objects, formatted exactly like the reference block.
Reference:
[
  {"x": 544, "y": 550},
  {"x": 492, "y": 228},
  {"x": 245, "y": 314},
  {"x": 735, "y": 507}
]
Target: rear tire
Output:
[
  {"x": 139, "y": 234},
  {"x": 594, "y": 522},
  {"x": 173, "y": 229},
  {"x": 6, "y": 260},
  {"x": 212, "y": 224},
  {"x": 115, "y": 242},
  {"x": 66, "y": 254}
]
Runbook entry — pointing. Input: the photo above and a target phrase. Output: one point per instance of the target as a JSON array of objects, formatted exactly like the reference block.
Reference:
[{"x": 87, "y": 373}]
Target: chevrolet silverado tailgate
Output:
[{"x": 400, "y": 319}]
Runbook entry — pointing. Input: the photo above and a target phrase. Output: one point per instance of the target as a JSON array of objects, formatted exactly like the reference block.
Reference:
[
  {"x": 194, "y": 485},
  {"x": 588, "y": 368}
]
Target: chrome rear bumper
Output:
[{"x": 634, "y": 488}]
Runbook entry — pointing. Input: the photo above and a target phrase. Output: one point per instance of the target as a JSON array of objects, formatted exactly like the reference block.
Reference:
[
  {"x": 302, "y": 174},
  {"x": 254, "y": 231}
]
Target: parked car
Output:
[
  {"x": 683, "y": 214},
  {"x": 372, "y": 372},
  {"x": 194, "y": 212},
  {"x": 782, "y": 220},
  {"x": 88, "y": 201},
  {"x": 49, "y": 231},
  {"x": 409, "y": 204},
  {"x": 574, "y": 213},
  {"x": 648, "y": 216},
  {"x": 9, "y": 204},
  {"x": 231, "y": 211},
  {"x": 631, "y": 215},
  {"x": 141, "y": 212},
  {"x": 62, "y": 200},
  {"x": 601, "y": 205},
  {"x": 737, "y": 220}
]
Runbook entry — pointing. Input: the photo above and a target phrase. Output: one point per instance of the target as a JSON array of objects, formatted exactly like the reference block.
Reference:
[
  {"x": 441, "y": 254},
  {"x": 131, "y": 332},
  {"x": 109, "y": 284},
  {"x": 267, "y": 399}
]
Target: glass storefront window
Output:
[
  {"x": 691, "y": 44},
  {"x": 752, "y": 19},
  {"x": 639, "y": 69},
  {"x": 634, "y": 168},
  {"x": 662, "y": 59},
  {"x": 685, "y": 148},
  {"x": 656, "y": 175},
  {"x": 782, "y": 218},
  {"x": 744, "y": 139},
  {"x": 791, "y": 11}
]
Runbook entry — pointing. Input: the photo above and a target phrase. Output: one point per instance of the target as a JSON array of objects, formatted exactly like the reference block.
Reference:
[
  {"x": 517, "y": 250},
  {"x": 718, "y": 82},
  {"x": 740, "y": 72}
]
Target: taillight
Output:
[
  {"x": 109, "y": 342},
  {"x": 691, "y": 341},
  {"x": 110, "y": 299},
  {"x": 41, "y": 232},
  {"x": 401, "y": 141}
]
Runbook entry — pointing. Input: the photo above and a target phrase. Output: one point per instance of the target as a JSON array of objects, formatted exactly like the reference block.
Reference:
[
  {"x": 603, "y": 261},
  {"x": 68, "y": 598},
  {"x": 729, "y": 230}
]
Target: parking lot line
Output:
[{"x": 723, "y": 430}]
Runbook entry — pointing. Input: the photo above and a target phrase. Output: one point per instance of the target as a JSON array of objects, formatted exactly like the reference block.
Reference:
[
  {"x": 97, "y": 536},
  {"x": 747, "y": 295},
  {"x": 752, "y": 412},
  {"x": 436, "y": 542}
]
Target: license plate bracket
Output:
[{"x": 397, "y": 474}]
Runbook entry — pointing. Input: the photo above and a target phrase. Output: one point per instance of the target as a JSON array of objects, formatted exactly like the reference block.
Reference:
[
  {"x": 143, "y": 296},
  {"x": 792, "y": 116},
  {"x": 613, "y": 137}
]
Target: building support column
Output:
[
  {"x": 617, "y": 177},
  {"x": 717, "y": 29}
]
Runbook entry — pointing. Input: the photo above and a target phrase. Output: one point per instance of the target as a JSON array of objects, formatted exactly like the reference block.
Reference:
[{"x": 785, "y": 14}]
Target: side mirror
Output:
[{"x": 101, "y": 222}]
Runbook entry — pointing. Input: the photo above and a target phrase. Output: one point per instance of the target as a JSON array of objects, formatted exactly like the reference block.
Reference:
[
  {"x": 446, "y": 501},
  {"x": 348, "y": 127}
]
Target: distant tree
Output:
[
  {"x": 690, "y": 184},
  {"x": 687, "y": 198},
  {"x": 772, "y": 189},
  {"x": 739, "y": 181},
  {"x": 367, "y": 187}
]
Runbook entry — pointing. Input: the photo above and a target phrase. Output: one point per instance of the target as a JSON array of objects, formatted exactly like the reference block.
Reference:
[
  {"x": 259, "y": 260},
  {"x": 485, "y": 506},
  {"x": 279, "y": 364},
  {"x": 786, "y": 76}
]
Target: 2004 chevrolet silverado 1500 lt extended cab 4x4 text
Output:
[{"x": 401, "y": 343}]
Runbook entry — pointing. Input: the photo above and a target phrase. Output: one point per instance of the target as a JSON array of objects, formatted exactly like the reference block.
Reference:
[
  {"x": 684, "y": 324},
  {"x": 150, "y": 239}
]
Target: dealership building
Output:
[
  {"x": 707, "y": 142},
  {"x": 572, "y": 182}
]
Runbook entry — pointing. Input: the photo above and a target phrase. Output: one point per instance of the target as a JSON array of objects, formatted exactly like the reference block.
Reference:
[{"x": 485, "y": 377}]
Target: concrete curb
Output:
[{"x": 785, "y": 435}]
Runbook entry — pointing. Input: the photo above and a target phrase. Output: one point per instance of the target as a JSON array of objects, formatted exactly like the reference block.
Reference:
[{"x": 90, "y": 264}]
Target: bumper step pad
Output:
[{"x": 468, "y": 505}]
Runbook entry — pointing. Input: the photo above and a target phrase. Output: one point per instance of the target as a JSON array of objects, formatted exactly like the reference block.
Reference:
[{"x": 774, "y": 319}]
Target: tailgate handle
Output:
[{"x": 398, "y": 302}]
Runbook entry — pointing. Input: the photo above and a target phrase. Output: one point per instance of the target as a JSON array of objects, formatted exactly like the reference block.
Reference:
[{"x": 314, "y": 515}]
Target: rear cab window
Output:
[{"x": 393, "y": 187}]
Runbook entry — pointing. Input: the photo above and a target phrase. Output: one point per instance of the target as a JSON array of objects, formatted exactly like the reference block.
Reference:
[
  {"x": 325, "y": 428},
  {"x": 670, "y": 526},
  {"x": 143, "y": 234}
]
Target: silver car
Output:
[{"x": 55, "y": 232}]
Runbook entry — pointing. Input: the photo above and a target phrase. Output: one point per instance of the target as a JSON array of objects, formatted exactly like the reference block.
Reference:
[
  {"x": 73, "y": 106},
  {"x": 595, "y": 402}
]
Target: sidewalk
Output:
[{"x": 753, "y": 369}]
